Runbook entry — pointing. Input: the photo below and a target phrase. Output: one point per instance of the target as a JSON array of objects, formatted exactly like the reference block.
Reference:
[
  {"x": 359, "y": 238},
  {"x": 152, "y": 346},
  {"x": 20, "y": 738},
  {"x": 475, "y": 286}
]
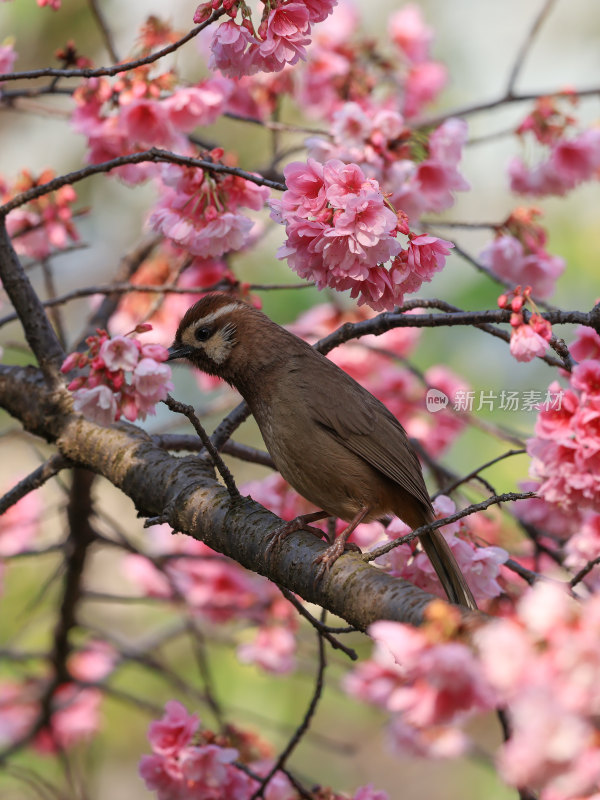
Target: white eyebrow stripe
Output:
[{"x": 216, "y": 314}]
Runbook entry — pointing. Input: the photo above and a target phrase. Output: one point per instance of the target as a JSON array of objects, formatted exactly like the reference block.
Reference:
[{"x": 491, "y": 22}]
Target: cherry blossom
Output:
[
  {"x": 410, "y": 33},
  {"x": 273, "y": 649},
  {"x": 8, "y": 56},
  {"x": 340, "y": 232},
  {"x": 44, "y": 225},
  {"x": 103, "y": 395},
  {"x": 570, "y": 159},
  {"x": 201, "y": 213},
  {"x": 565, "y": 448},
  {"x": 518, "y": 254},
  {"x": 19, "y": 525}
]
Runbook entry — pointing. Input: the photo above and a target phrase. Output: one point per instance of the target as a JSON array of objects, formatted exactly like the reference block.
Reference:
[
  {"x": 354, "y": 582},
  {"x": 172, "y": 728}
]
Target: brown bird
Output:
[{"x": 335, "y": 443}]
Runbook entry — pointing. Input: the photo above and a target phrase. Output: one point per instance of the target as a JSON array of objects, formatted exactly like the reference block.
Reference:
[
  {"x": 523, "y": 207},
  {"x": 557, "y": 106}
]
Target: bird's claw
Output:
[
  {"x": 328, "y": 557},
  {"x": 277, "y": 536}
]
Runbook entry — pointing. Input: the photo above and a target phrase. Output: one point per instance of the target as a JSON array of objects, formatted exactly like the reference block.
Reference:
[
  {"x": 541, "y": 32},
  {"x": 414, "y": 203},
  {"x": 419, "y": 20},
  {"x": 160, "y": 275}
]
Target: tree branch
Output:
[{"x": 38, "y": 330}]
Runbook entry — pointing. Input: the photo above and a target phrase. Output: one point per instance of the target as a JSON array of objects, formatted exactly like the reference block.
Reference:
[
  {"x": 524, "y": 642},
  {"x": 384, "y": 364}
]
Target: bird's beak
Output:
[{"x": 179, "y": 351}]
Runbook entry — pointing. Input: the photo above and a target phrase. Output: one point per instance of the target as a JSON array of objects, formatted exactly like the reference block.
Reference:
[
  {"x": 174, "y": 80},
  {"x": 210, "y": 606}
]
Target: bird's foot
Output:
[
  {"x": 300, "y": 523},
  {"x": 328, "y": 557}
]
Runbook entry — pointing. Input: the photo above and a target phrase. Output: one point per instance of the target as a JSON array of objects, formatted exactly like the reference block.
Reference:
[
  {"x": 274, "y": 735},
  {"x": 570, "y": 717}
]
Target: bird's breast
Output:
[{"x": 318, "y": 466}]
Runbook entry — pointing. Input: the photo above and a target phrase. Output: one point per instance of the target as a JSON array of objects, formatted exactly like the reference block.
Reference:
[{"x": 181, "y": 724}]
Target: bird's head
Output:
[{"x": 208, "y": 332}]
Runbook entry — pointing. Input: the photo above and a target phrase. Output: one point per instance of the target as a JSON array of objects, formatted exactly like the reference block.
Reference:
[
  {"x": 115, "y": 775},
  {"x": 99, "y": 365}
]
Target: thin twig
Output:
[
  {"x": 117, "y": 68},
  {"x": 303, "y": 727},
  {"x": 104, "y": 30},
  {"x": 322, "y": 629},
  {"x": 584, "y": 571},
  {"x": 526, "y": 45},
  {"x": 153, "y": 154},
  {"x": 33, "y": 481},
  {"x": 188, "y": 411},
  {"x": 475, "y": 473},
  {"x": 438, "y": 523}
]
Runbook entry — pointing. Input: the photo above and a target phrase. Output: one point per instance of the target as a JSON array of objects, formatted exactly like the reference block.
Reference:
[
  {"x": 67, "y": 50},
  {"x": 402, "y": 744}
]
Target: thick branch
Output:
[{"x": 38, "y": 330}]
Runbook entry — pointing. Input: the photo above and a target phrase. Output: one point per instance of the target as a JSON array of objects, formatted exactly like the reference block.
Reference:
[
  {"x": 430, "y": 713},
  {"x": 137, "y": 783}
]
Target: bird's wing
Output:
[{"x": 365, "y": 426}]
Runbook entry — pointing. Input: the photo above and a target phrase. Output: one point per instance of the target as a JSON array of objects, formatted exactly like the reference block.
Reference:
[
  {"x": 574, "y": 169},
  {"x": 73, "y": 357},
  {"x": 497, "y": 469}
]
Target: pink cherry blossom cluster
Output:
[
  {"x": 134, "y": 113},
  {"x": 529, "y": 338},
  {"x": 75, "y": 710},
  {"x": 188, "y": 763},
  {"x": 219, "y": 590},
  {"x": 281, "y": 38},
  {"x": 103, "y": 395},
  {"x": 75, "y": 715},
  {"x": 43, "y": 225},
  {"x": 539, "y": 663},
  {"x": 542, "y": 664},
  {"x": 341, "y": 232},
  {"x": 201, "y": 213},
  {"x": 518, "y": 253},
  {"x": 428, "y": 683},
  {"x": 570, "y": 159},
  {"x": 416, "y": 176},
  {"x": 340, "y": 66},
  {"x": 565, "y": 451}
]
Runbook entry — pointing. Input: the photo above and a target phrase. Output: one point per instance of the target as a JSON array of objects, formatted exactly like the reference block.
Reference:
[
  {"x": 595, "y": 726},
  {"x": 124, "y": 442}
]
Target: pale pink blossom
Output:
[
  {"x": 8, "y": 57},
  {"x": 286, "y": 36},
  {"x": 586, "y": 345},
  {"x": 319, "y": 10},
  {"x": 583, "y": 547},
  {"x": 441, "y": 741},
  {"x": 147, "y": 122},
  {"x": 120, "y": 352},
  {"x": 232, "y": 49},
  {"x": 189, "y": 214},
  {"x": 273, "y": 649},
  {"x": 577, "y": 159},
  {"x": 75, "y": 718},
  {"x": 192, "y": 106},
  {"x": 94, "y": 662},
  {"x": 537, "y": 181},
  {"x": 507, "y": 257},
  {"x": 526, "y": 343},
  {"x": 426, "y": 684},
  {"x": 174, "y": 731},
  {"x": 19, "y": 524},
  {"x": 410, "y": 33},
  {"x": 206, "y": 765},
  {"x": 424, "y": 81},
  {"x": 369, "y": 793},
  {"x": 151, "y": 383},
  {"x": 97, "y": 404}
]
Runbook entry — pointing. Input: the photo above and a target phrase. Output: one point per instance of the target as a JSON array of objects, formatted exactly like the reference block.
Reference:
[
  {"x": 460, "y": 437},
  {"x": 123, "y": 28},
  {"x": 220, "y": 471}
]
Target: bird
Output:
[{"x": 335, "y": 443}]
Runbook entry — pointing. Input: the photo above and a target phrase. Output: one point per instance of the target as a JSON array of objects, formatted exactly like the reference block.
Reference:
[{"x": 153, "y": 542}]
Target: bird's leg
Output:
[
  {"x": 328, "y": 557},
  {"x": 297, "y": 524}
]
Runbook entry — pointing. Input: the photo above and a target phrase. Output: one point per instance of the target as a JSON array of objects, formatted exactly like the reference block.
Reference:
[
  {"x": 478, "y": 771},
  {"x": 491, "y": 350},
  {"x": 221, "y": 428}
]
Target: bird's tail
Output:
[{"x": 447, "y": 569}]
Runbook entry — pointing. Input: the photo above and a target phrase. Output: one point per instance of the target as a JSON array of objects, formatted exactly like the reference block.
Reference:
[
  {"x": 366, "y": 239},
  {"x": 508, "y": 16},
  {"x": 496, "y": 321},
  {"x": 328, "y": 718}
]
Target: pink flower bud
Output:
[{"x": 70, "y": 362}]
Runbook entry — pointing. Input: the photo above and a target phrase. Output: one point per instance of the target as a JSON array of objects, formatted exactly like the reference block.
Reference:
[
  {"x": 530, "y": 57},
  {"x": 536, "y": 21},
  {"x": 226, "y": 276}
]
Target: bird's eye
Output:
[{"x": 203, "y": 334}]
